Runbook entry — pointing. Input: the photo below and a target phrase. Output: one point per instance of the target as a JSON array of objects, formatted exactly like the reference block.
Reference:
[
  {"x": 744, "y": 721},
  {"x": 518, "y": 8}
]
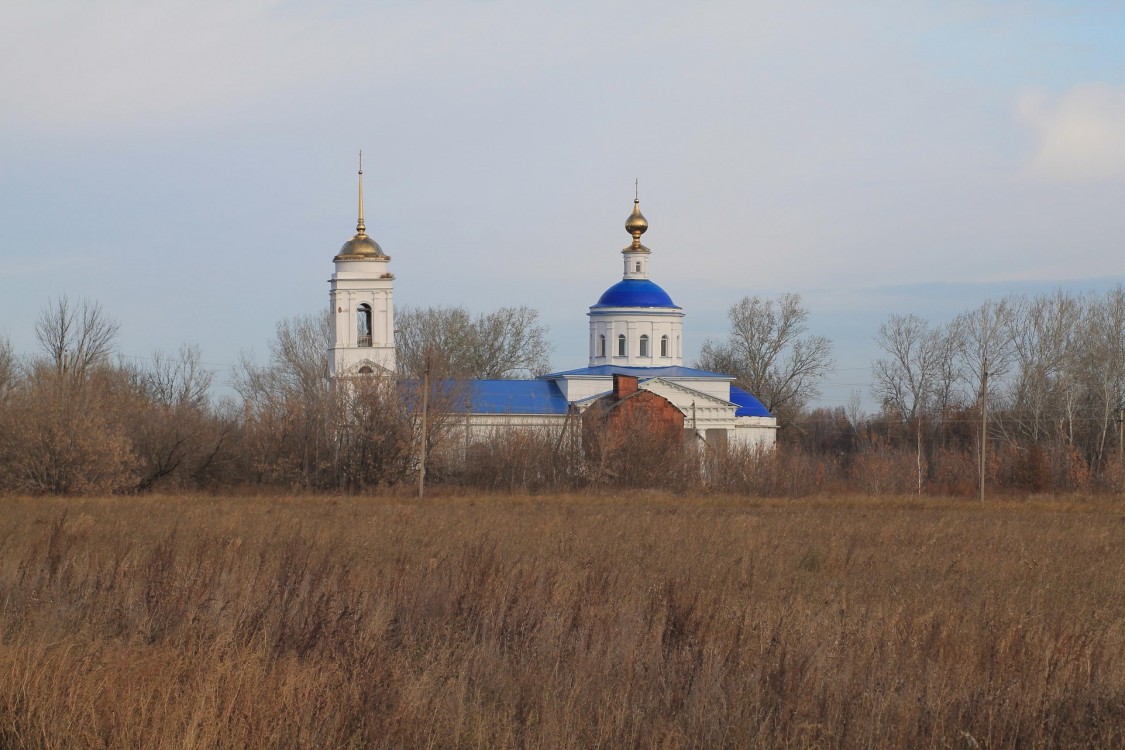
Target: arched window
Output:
[
  {"x": 644, "y": 346},
  {"x": 621, "y": 345},
  {"x": 365, "y": 370},
  {"x": 638, "y": 266},
  {"x": 601, "y": 345},
  {"x": 363, "y": 325},
  {"x": 663, "y": 346}
]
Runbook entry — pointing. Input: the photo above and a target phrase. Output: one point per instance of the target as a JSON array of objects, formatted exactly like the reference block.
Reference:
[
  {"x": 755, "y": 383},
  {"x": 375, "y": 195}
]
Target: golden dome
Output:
[
  {"x": 361, "y": 246},
  {"x": 636, "y": 224}
]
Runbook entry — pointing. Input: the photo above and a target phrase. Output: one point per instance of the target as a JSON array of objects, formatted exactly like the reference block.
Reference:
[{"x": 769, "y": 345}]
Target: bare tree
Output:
[
  {"x": 287, "y": 402},
  {"x": 375, "y": 441},
  {"x": 915, "y": 374},
  {"x": 298, "y": 365},
  {"x": 905, "y": 379},
  {"x": 1101, "y": 368},
  {"x": 175, "y": 432},
  {"x": 984, "y": 342},
  {"x": 9, "y": 368},
  {"x": 948, "y": 369},
  {"x": 770, "y": 354},
  {"x": 63, "y": 439},
  {"x": 75, "y": 336},
  {"x": 175, "y": 380},
  {"x": 507, "y": 343},
  {"x": 1044, "y": 333}
]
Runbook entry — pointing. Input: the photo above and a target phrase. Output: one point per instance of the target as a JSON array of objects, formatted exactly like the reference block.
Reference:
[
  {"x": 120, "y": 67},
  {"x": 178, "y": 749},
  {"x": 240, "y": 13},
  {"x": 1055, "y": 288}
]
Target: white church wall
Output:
[
  {"x": 484, "y": 427},
  {"x": 754, "y": 432},
  {"x": 356, "y": 283},
  {"x": 633, "y": 324}
]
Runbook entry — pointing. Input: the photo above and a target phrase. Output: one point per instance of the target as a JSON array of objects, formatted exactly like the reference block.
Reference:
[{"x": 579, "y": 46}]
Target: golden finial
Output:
[
  {"x": 636, "y": 224},
  {"x": 360, "y": 229},
  {"x": 361, "y": 246}
]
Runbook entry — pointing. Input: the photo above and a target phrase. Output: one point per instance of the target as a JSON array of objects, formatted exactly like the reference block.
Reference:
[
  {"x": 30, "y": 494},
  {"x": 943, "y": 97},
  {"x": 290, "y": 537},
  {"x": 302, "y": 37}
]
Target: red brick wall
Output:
[
  {"x": 613, "y": 423},
  {"x": 624, "y": 385}
]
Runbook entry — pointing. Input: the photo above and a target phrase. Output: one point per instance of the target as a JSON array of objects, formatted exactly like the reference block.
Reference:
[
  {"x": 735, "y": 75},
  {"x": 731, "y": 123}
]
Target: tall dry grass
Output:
[{"x": 636, "y": 620}]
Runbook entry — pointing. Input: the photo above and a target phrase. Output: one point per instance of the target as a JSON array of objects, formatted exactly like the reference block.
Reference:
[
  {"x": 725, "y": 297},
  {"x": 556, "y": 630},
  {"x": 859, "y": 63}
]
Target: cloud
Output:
[{"x": 1079, "y": 136}]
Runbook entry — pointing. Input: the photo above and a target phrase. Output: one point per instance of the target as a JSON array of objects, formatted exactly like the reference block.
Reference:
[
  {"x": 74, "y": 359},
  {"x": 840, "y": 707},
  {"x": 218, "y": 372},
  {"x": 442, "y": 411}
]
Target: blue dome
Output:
[{"x": 635, "y": 293}]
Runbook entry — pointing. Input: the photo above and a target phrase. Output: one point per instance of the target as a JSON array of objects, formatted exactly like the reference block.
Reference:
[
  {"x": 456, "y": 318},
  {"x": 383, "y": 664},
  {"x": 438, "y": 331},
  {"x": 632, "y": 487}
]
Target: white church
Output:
[{"x": 635, "y": 329}]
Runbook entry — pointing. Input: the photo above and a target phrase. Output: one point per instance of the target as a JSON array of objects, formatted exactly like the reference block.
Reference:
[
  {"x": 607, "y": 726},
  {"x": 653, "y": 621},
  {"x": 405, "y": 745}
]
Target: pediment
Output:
[
  {"x": 676, "y": 393},
  {"x": 367, "y": 367}
]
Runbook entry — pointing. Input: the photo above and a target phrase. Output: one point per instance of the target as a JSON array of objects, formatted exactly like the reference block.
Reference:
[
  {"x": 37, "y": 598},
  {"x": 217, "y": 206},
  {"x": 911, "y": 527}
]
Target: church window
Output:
[
  {"x": 601, "y": 345},
  {"x": 638, "y": 266},
  {"x": 621, "y": 345},
  {"x": 365, "y": 370},
  {"x": 644, "y": 346},
  {"x": 663, "y": 346},
  {"x": 363, "y": 325}
]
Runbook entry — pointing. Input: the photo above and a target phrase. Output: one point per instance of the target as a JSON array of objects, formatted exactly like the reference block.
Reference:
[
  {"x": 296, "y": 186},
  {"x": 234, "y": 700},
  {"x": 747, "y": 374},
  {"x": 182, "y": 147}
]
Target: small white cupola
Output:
[{"x": 636, "y": 254}]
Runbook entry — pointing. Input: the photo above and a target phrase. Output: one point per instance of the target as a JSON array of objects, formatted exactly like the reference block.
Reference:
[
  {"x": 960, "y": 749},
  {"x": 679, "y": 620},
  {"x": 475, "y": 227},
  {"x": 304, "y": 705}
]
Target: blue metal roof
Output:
[
  {"x": 512, "y": 397},
  {"x": 542, "y": 396},
  {"x": 748, "y": 406},
  {"x": 639, "y": 372},
  {"x": 635, "y": 293}
]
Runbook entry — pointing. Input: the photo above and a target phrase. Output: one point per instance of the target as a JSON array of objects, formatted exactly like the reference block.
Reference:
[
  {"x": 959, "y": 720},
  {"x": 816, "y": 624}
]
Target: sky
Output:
[{"x": 190, "y": 164}]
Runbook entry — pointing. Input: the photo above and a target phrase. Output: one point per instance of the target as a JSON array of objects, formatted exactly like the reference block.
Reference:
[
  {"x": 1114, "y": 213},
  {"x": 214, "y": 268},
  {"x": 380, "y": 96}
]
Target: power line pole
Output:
[
  {"x": 918, "y": 453},
  {"x": 425, "y": 435},
  {"x": 983, "y": 424},
  {"x": 1121, "y": 437}
]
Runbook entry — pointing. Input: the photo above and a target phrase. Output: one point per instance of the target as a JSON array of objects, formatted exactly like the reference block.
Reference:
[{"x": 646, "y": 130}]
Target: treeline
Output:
[
  {"x": 1038, "y": 381},
  {"x": 75, "y": 420}
]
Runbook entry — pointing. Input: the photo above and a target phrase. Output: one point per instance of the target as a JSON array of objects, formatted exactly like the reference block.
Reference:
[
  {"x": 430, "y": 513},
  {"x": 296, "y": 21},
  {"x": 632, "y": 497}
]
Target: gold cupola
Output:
[
  {"x": 636, "y": 224},
  {"x": 361, "y": 247}
]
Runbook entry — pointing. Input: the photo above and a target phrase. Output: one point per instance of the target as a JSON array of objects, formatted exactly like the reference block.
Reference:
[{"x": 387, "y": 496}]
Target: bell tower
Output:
[{"x": 361, "y": 305}]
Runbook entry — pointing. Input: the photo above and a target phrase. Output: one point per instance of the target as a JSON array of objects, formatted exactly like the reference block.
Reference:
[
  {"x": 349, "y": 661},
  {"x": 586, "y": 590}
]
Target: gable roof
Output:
[
  {"x": 696, "y": 395},
  {"x": 669, "y": 384}
]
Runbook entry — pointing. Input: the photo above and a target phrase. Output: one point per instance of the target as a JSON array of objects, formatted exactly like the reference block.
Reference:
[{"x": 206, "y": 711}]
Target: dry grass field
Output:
[{"x": 637, "y": 620}]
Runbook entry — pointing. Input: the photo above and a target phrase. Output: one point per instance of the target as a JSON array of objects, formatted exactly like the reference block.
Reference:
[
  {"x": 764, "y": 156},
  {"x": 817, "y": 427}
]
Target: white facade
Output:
[
  {"x": 632, "y": 338},
  {"x": 754, "y": 432}
]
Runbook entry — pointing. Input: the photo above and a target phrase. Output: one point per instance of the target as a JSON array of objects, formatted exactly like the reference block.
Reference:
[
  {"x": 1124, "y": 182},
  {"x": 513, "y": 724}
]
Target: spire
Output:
[
  {"x": 636, "y": 224},
  {"x": 361, "y": 247},
  {"x": 360, "y": 229}
]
